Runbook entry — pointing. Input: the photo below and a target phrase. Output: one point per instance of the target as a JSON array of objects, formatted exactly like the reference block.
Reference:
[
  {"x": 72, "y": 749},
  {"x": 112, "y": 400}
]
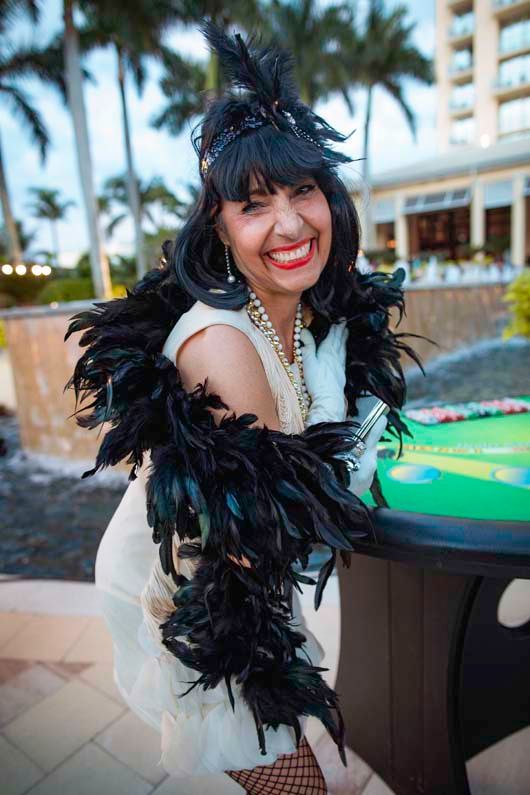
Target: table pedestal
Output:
[{"x": 427, "y": 677}]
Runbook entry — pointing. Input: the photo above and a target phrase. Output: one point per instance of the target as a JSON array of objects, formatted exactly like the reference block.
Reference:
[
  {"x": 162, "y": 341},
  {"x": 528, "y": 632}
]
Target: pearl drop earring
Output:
[{"x": 230, "y": 278}]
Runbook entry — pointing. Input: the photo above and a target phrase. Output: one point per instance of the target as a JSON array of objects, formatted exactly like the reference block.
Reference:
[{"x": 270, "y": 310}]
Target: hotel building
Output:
[{"x": 477, "y": 191}]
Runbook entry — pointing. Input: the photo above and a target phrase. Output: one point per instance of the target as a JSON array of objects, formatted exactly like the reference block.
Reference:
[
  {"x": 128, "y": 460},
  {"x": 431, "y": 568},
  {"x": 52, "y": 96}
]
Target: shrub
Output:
[
  {"x": 66, "y": 290},
  {"x": 61, "y": 290},
  {"x": 518, "y": 294}
]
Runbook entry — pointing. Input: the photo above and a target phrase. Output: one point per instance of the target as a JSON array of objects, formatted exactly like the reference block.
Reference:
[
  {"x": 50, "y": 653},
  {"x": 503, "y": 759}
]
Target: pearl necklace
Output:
[{"x": 260, "y": 318}]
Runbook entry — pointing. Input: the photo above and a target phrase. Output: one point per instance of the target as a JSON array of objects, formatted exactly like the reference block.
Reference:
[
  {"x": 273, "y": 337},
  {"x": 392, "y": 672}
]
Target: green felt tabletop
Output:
[{"x": 478, "y": 468}]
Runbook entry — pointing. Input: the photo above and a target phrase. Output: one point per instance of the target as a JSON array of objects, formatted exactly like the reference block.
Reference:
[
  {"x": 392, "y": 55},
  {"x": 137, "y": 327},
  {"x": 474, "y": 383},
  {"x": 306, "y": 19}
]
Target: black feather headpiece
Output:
[{"x": 262, "y": 90}]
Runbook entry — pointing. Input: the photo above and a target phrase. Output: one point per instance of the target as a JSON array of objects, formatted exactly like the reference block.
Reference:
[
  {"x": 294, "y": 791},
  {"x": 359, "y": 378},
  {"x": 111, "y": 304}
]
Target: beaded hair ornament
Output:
[
  {"x": 249, "y": 123},
  {"x": 261, "y": 91}
]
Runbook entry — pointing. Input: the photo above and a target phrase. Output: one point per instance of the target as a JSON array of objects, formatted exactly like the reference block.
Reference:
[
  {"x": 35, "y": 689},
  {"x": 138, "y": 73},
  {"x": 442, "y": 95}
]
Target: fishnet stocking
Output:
[{"x": 297, "y": 773}]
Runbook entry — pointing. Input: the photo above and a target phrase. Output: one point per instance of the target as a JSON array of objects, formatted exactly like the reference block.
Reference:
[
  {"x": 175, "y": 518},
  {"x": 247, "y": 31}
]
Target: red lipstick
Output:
[
  {"x": 290, "y": 248},
  {"x": 297, "y": 263}
]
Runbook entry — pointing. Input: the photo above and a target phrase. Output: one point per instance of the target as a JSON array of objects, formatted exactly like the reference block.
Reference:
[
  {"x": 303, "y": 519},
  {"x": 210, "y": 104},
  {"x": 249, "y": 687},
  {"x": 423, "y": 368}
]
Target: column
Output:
[
  {"x": 401, "y": 229},
  {"x": 518, "y": 221},
  {"x": 478, "y": 215}
]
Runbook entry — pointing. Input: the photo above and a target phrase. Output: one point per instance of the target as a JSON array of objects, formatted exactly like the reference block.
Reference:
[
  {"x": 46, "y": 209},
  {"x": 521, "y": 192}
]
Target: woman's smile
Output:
[{"x": 294, "y": 256}]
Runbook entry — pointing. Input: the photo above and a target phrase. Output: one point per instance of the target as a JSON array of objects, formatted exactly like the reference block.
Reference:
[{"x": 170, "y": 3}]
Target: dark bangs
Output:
[{"x": 266, "y": 156}]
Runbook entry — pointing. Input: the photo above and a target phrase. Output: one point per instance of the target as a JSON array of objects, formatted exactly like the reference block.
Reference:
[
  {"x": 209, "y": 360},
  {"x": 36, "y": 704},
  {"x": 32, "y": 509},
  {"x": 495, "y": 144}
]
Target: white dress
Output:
[{"x": 200, "y": 733}]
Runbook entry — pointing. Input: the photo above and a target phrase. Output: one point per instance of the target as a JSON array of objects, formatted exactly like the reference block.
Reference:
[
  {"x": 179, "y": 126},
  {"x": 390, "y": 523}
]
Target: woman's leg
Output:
[{"x": 297, "y": 773}]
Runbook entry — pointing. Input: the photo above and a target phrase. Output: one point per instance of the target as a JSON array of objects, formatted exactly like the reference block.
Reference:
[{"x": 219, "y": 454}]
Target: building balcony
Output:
[
  {"x": 459, "y": 6},
  {"x": 459, "y": 110},
  {"x": 461, "y": 74},
  {"x": 513, "y": 88},
  {"x": 506, "y": 53},
  {"x": 460, "y": 38},
  {"x": 509, "y": 9}
]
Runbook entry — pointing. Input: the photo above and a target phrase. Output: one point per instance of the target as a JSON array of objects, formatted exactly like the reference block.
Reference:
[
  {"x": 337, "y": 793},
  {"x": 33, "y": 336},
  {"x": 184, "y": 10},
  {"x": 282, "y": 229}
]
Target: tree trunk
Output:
[
  {"x": 13, "y": 242},
  {"x": 369, "y": 231},
  {"x": 98, "y": 262},
  {"x": 132, "y": 183},
  {"x": 55, "y": 242},
  {"x": 305, "y": 95},
  {"x": 212, "y": 78}
]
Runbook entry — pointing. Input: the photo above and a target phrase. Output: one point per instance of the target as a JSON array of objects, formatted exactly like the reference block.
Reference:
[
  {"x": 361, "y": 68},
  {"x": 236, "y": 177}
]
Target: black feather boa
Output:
[{"x": 236, "y": 490}]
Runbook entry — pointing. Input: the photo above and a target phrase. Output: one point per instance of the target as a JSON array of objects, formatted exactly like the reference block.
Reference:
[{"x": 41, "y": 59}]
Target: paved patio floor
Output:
[
  {"x": 63, "y": 725},
  {"x": 64, "y": 729}
]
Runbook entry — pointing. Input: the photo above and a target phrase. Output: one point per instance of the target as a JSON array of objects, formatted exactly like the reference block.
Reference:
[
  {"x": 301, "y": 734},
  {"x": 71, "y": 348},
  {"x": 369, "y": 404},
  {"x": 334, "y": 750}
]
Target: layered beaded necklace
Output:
[{"x": 260, "y": 318}]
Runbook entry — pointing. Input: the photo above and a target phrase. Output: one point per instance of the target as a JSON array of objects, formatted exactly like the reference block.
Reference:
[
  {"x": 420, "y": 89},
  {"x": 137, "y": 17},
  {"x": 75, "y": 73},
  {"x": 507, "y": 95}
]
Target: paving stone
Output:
[
  {"x": 11, "y": 624},
  {"x": 11, "y": 668},
  {"x": 101, "y": 676},
  {"x": 45, "y": 638},
  {"x": 92, "y": 772},
  {"x": 61, "y": 723},
  {"x": 18, "y": 772},
  {"x": 66, "y": 669},
  {"x": 341, "y": 780},
  {"x": 503, "y": 767},
  {"x": 135, "y": 744},
  {"x": 28, "y": 688},
  {"x": 377, "y": 787},
  {"x": 93, "y": 645},
  {"x": 199, "y": 785}
]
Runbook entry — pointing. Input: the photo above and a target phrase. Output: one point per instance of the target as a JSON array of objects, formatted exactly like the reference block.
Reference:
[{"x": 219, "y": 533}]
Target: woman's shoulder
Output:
[{"x": 199, "y": 317}]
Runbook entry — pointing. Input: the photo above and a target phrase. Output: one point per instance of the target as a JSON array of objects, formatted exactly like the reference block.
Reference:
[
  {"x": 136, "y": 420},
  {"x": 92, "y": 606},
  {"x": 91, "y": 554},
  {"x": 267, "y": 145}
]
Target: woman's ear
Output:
[{"x": 219, "y": 226}]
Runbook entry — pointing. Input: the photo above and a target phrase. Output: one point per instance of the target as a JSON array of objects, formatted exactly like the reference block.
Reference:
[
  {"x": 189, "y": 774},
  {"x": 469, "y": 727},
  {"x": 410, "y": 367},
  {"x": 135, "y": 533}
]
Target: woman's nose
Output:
[{"x": 288, "y": 223}]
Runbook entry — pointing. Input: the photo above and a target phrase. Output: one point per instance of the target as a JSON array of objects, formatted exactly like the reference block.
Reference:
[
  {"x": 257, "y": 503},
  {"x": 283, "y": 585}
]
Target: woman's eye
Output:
[
  {"x": 305, "y": 189},
  {"x": 251, "y": 206}
]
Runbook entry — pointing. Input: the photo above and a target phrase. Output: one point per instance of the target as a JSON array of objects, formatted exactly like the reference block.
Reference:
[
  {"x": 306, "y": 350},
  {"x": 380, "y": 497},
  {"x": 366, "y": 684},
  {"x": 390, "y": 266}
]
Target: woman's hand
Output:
[
  {"x": 361, "y": 480},
  {"x": 325, "y": 374}
]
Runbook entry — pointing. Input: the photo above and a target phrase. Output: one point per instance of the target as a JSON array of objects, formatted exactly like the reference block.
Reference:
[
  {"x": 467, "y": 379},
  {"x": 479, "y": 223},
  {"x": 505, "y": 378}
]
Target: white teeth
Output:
[{"x": 288, "y": 256}]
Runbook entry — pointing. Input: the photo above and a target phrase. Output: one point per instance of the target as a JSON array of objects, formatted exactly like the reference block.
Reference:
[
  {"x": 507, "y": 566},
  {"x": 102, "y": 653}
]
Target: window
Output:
[
  {"x": 515, "y": 36},
  {"x": 462, "y": 131},
  {"x": 514, "y": 116},
  {"x": 515, "y": 71},
  {"x": 462, "y": 96},
  {"x": 462, "y": 59},
  {"x": 462, "y": 24}
]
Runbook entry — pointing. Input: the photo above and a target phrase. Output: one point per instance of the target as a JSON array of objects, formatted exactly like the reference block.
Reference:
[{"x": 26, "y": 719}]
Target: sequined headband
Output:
[{"x": 252, "y": 121}]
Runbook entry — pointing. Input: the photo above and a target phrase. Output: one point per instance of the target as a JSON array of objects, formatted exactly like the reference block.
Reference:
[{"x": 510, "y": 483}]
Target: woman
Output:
[{"x": 240, "y": 434}]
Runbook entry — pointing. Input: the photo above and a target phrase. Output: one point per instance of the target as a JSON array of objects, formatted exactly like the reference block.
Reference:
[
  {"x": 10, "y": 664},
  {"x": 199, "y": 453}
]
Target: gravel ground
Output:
[{"x": 56, "y": 530}]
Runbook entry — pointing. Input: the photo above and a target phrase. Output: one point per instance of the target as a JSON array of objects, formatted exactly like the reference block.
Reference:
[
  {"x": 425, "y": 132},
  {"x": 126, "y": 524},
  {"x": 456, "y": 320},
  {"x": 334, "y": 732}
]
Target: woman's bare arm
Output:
[{"x": 229, "y": 360}]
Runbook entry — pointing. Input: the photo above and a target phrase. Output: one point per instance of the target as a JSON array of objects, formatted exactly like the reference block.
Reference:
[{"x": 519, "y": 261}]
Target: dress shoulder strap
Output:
[{"x": 201, "y": 315}]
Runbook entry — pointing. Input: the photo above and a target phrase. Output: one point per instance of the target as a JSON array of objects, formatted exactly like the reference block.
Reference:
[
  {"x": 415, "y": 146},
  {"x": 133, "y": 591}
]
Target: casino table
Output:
[
  {"x": 428, "y": 676},
  {"x": 477, "y": 468}
]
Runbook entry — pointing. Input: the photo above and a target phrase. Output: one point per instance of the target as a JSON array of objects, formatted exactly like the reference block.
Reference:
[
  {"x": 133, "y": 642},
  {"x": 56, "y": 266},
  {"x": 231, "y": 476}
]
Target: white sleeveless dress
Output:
[{"x": 200, "y": 733}]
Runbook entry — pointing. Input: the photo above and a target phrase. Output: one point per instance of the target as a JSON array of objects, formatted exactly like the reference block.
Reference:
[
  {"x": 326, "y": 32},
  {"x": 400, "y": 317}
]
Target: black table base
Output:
[{"x": 427, "y": 676}]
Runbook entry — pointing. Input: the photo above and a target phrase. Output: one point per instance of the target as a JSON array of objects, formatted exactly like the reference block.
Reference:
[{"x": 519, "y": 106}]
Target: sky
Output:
[{"x": 159, "y": 154}]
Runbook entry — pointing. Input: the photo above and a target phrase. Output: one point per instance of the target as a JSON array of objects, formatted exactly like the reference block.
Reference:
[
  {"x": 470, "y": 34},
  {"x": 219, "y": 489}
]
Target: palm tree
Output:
[
  {"x": 182, "y": 84},
  {"x": 315, "y": 35},
  {"x": 152, "y": 194},
  {"x": 73, "y": 75},
  {"x": 135, "y": 36},
  {"x": 48, "y": 205},
  {"x": 16, "y": 65},
  {"x": 382, "y": 55},
  {"x": 187, "y": 84},
  {"x": 25, "y": 236}
]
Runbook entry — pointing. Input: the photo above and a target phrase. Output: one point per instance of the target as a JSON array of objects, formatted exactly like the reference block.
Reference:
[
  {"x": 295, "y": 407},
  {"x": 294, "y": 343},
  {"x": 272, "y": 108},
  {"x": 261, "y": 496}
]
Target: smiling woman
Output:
[{"x": 230, "y": 378}]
